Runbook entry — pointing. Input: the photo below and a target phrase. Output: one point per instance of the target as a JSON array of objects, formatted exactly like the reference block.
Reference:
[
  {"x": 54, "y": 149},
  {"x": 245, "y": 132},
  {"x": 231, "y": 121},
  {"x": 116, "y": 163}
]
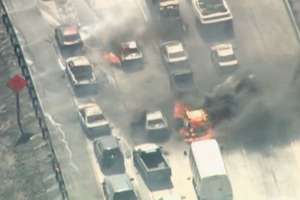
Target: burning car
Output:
[{"x": 130, "y": 51}]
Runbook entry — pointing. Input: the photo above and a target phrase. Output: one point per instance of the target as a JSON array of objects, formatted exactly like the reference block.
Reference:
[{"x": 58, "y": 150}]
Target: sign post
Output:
[{"x": 17, "y": 84}]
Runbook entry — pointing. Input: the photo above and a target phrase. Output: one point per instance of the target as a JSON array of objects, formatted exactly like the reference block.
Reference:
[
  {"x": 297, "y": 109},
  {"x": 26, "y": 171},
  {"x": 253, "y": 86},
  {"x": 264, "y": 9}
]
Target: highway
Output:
[{"x": 261, "y": 161}]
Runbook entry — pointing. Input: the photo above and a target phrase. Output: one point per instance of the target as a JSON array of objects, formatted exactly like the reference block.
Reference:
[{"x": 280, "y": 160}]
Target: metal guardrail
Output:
[{"x": 38, "y": 109}]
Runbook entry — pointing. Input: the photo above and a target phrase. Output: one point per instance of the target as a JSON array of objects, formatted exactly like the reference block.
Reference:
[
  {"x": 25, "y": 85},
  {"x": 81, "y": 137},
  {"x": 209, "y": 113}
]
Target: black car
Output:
[
  {"x": 68, "y": 36},
  {"x": 109, "y": 154}
]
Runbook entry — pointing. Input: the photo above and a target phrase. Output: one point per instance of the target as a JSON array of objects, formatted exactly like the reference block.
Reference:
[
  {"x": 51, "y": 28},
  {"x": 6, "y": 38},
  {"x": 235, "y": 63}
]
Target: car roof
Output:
[
  {"x": 174, "y": 47},
  {"x": 208, "y": 158},
  {"x": 79, "y": 61},
  {"x": 147, "y": 147},
  {"x": 92, "y": 109},
  {"x": 69, "y": 29},
  {"x": 130, "y": 44},
  {"x": 108, "y": 142},
  {"x": 224, "y": 49},
  {"x": 154, "y": 115},
  {"x": 164, "y": 3},
  {"x": 119, "y": 183},
  {"x": 181, "y": 71}
]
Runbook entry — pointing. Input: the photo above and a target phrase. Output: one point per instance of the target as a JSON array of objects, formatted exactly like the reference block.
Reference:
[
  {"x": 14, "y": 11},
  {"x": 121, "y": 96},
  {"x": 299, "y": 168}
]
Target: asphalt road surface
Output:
[{"x": 259, "y": 167}]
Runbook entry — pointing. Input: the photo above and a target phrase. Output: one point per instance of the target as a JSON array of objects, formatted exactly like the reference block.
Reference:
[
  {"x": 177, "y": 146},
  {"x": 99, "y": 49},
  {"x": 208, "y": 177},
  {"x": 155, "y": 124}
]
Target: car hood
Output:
[
  {"x": 98, "y": 124},
  {"x": 175, "y": 60},
  {"x": 132, "y": 56},
  {"x": 228, "y": 63}
]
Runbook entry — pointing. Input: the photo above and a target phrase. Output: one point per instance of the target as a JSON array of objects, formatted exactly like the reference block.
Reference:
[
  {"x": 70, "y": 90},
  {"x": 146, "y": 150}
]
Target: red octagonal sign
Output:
[{"x": 17, "y": 83}]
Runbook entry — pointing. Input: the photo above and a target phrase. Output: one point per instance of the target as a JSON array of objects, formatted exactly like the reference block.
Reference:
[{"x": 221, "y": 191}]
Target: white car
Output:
[
  {"x": 212, "y": 11},
  {"x": 130, "y": 51},
  {"x": 80, "y": 71},
  {"x": 93, "y": 120},
  {"x": 224, "y": 58},
  {"x": 156, "y": 122},
  {"x": 173, "y": 52}
]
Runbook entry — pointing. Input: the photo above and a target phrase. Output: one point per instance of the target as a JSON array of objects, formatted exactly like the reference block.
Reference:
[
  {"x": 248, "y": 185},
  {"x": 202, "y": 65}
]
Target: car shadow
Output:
[
  {"x": 156, "y": 186},
  {"x": 216, "y": 33}
]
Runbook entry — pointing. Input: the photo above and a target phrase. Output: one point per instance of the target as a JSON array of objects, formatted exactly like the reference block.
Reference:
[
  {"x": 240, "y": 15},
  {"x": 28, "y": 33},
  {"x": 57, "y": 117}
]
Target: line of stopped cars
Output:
[{"x": 149, "y": 158}]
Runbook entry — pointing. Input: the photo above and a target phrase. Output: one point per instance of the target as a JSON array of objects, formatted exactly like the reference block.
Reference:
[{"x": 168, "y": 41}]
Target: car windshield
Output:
[
  {"x": 112, "y": 153},
  {"x": 227, "y": 58},
  {"x": 82, "y": 72},
  {"x": 126, "y": 195},
  {"x": 170, "y": 11},
  {"x": 183, "y": 78},
  {"x": 155, "y": 122},
  {"x": 129, "y": 51},
  {"x": 71, "y": 37},
  {"x": 178, "y": 54},
  {"x": 95, "y": 118},
  {"x": 212, "y": 6}
]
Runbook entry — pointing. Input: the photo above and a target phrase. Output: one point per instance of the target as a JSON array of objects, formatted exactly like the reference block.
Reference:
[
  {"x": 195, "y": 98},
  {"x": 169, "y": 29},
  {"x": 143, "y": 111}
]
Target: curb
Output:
[{"x": 292, "y": 17}]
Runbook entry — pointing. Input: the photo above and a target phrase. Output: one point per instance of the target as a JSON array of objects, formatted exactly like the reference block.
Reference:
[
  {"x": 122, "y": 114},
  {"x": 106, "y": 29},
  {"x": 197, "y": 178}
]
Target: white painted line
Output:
[
  {"x": 140, "y": 6},
  {"x": 58, "y": 126}
]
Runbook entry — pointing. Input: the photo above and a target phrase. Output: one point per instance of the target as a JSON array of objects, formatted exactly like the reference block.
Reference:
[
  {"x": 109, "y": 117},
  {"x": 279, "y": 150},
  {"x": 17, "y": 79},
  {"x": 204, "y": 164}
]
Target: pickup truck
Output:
[
  {"x": 152, "y": 165},
  {"x": 93, "y": 120}
]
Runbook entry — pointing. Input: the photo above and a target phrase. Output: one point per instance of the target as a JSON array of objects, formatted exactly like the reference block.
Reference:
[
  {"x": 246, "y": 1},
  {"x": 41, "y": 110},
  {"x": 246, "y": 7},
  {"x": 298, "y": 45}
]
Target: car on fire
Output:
[
  {"x": 109, "y": 155},
  {"x": 93, "y": 121},
  {"x": 211, "y": 11},
  {"x": 80, "y": 71},
  {"x": 156, "y": 123},
  {"x": 68, "y": 36},
  {"x": 173, "y": 52},
  {"x": 130, "y": 51},
  {"x": 223, "y": 58}
]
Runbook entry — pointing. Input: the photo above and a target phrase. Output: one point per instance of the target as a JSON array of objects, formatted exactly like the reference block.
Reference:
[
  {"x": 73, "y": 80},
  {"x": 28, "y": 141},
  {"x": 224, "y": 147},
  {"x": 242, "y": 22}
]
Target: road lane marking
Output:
[
  {"x": 140, "y": 6},
  {"x": 63, "y": 140}
]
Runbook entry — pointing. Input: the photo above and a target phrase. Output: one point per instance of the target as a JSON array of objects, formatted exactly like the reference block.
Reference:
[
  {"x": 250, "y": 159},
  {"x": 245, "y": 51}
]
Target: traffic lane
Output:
[
  {"x": 58, "y": 102},
  {"x": 270, "y": 173},
  {"x": 46, "y": 66},
  {"x": 199, "y": 40},
  {"x": 265, "y": 38}
]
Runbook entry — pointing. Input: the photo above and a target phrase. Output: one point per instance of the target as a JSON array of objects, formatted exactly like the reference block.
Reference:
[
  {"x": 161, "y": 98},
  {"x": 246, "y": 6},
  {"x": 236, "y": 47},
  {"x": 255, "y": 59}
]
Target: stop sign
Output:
[{"x": 17, "y": 83}]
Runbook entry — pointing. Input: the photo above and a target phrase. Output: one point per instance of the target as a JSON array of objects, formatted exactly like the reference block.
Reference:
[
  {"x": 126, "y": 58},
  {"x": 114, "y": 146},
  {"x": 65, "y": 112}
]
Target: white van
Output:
[{"x": 209, "y": 175}]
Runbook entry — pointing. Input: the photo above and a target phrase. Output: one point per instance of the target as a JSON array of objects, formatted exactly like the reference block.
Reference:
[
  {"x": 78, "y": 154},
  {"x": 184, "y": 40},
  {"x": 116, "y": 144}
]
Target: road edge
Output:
[{"x": 292, "y": 17}]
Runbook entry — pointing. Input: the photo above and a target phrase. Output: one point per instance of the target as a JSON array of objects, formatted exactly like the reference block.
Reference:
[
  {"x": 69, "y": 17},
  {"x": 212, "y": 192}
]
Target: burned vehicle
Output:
[
  {"x": 68, "y": 36},
  {"x": 228, "y": 98},
  {"x": 80, "y": 72},
  {"x": 93, "y": 121},
  {"x": 109, "y": 154}
]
